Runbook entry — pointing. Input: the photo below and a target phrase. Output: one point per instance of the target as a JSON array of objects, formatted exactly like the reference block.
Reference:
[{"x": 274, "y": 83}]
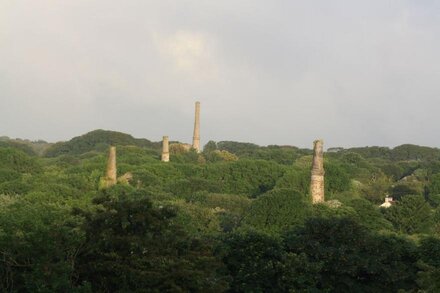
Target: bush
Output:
[
  {"x": 412, "y": 214},
  {"x": 278, "y": 210},
  {"x": 244, "y": 177},
  {"x": 132, "y": 246},
  {"x": 258, "y": 263},
  {"x": 351, "y": 258},
  {"x": 18, "y": 161}
]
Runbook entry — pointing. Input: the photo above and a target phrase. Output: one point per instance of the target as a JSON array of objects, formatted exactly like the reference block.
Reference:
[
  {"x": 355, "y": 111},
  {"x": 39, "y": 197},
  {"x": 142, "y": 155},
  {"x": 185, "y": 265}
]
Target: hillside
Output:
[
  {"x": 236, "y": 217},
  {"x": 27, "y": 146},
  {"x": 97, "y": 140}
]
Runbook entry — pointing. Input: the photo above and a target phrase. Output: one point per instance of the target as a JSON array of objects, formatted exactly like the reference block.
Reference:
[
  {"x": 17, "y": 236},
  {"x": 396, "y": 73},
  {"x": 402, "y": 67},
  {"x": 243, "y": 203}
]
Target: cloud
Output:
[
  {"x": 188, "y": 50},
  {"x": 270, "y": 72}
]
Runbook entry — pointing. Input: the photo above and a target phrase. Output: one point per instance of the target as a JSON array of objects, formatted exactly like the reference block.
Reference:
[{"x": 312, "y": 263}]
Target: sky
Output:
[{"x": 286, "y": 72}]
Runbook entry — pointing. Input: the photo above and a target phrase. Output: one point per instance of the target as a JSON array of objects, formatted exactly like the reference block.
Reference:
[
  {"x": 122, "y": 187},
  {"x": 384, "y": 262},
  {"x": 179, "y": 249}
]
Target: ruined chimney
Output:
[
  {"x": 165, "y": 149},
  {"x": 317, "y": 180},
  {"x": 111, "y": 167},
  {"x": 196, "y": 137}
]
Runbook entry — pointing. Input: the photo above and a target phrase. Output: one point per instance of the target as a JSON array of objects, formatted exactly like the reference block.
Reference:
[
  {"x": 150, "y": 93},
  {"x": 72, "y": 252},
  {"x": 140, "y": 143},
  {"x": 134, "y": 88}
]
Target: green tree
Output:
[
  {"x": 97, "y": 140},
  {"x": 401, "y": 190},
  {"x": 376, "y": 188},
  {"x": 434, "y": 184},
  {"x": 337, "y": 178},
  {"x": 278, "y": 210},
  {"x": 414, "y": 152},
  {"x": 39, "y": 241},
  {"x": 210, "y": 147},
  {"x": 132, "y": 246},
  {"x": 16, "y": 160},
  {"x": 258, "y": 262},
  {"x": 412, "y": 214},
  {"x": 369, "y": 215},
  {"x": 296, "y": 179},
  {"x": 429, "y": 265},
  {"x": 247, "y": 177},
  {"x": 351, "y": 258}
]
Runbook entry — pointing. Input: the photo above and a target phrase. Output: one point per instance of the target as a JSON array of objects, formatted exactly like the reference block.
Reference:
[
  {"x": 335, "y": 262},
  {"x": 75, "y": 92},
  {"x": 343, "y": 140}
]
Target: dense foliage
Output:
[{"x": 235, "y": 218}]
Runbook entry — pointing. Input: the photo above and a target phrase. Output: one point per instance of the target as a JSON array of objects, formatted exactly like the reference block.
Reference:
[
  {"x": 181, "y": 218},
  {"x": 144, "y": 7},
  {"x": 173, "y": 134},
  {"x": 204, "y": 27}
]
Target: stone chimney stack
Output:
[
  {"x": 317, "y": 180},
  {"x": 111, "y": 167},
  {"x": 165, "y": 149},
  {"x": 196, "y": 137}
]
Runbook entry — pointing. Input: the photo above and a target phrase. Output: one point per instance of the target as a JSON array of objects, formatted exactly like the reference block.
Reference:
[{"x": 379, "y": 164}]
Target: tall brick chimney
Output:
[
  {"x": 196, "y": 137},
  {"x": 317, "y": 180}
]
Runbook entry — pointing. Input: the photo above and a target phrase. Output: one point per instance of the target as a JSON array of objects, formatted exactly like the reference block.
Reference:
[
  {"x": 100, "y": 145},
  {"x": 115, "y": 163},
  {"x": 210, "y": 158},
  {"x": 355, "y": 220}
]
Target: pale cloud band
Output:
[{"x": 270, "y": 72}]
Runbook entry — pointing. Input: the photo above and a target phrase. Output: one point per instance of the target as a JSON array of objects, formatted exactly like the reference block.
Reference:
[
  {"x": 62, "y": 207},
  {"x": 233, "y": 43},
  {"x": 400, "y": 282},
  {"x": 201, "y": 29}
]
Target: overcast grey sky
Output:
[{"x": 352, "y": 72}]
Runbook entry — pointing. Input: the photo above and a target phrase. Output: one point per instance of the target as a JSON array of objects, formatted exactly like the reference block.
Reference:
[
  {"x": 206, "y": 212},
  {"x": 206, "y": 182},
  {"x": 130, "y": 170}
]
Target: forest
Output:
[{"x": 236, "y": 217}]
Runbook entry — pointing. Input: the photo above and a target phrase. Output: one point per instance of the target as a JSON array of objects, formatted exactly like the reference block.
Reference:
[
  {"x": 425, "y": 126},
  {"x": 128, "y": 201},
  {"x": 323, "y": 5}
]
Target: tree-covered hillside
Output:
[
  {"x": 97, "y": 140},
  {"x": 236, "y": 217}
]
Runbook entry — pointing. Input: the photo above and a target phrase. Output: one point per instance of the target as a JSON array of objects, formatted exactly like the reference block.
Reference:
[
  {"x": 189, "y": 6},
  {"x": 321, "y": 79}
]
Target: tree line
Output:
[{"x": 235, "y": 218}]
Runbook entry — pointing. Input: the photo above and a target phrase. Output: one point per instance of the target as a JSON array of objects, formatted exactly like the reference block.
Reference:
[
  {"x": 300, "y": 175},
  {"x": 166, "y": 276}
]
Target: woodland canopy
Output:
[{"x": 235, "y": 218}]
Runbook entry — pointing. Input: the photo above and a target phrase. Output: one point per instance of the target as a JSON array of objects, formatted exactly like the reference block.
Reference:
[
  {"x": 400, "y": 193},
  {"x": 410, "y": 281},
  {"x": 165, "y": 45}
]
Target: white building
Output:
[{"x": 388, "y": 202}]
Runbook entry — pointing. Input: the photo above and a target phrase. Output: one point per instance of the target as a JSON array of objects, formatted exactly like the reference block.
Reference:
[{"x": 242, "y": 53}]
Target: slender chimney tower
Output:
[
  {"x": 165, "y": 149},
  {"x": 317, "y": 180},
  {"x": 111, "y": 167},
  {"x": 196, "y": 137}
]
